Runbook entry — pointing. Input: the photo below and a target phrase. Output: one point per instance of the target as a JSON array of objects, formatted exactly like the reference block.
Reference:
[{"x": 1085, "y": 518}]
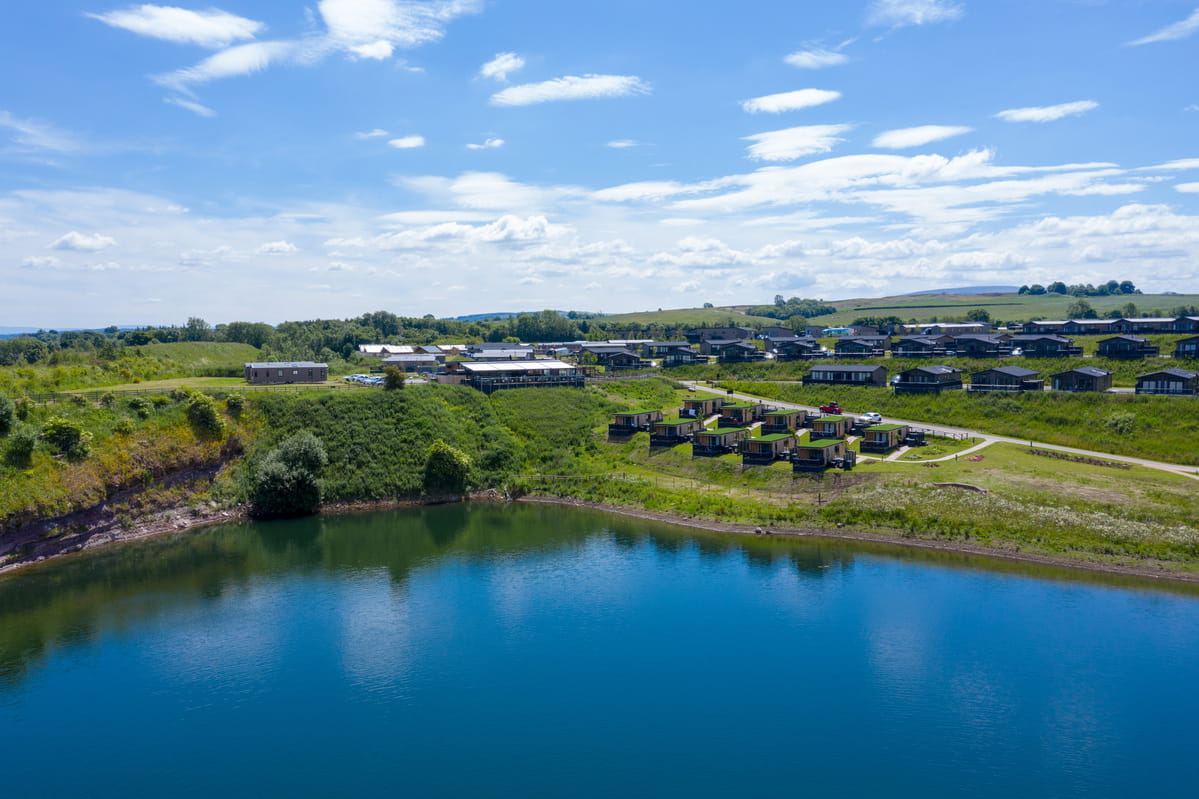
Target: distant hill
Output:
[
  {"x": 968, "y": 291},
  {"x": 479, "y": 317}
]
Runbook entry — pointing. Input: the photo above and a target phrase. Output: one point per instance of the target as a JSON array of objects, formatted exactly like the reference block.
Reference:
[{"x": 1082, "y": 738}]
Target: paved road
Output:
[{"x": 1186, "y": 471}]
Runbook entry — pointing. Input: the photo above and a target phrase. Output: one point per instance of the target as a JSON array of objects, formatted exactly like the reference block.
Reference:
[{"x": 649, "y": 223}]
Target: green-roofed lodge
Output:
[{"x": 766, "y": 449}]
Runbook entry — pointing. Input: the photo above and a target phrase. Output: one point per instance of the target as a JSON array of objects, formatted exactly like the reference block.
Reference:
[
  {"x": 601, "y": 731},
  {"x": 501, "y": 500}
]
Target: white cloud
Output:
[
  {"x": 380, "y": 50},
  {"x": 81, "y": 242},
  {"x": 213, "y": 28},
  {"x": 644, "y": 190},
  {"x": 1181, "y": 163},
  {"x": 195, "y": 108},
  {"x": 355, "y": 23},
  {"x": 791, "y": 143},
  {"x": 1179, "y": 30},
  {"x": 488, "y": 144},
  {"x": 1187, "y": 188},
  {"x": 489, "y": 191},
  {"x": 32, "y": 135},
  {"x": 277, "y": 248},
  {"x": 503, "y": 65},
  {"x": 898, "y": 13},
  {"x": 916, "y": 137},
  {"x": 789, "y": 101},
  {"x": 815, "y": 59},
  {"x": 621, "y": 144},
  {"x": 407, "y": 142},
  {"x": 243, "y": 59},
  {"x": 1047, "y": 113},
  {"x": 571, "y": 87},
  {"x": 377, "y": 133},
  {"x": 41, "y": 262}
]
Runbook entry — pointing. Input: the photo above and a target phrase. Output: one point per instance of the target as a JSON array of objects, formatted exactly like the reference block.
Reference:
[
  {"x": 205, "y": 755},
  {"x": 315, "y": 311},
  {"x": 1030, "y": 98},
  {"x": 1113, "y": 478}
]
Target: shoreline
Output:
[{"x": 174, "y": 520}]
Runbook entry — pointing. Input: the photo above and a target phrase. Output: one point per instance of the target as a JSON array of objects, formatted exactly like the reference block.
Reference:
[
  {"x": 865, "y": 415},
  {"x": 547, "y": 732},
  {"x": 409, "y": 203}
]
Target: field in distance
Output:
[{"x": 923, "y": 308}]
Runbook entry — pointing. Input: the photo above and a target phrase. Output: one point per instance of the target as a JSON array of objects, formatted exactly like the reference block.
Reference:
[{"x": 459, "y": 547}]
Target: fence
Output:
[{"x": 215, "y": 391}]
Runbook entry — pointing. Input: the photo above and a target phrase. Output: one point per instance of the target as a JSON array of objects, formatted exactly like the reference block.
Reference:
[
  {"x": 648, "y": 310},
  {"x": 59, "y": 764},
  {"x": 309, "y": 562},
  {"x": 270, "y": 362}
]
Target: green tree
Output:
[
  {"x": 447, "y": 469},
  {"x": 393, "y": 378},
  {"x": 287, "y": 481},
  {"x": 1036, "y": 289},
  {"x": 1081, "y": 309},
  {"x": 978, "y": 315}
]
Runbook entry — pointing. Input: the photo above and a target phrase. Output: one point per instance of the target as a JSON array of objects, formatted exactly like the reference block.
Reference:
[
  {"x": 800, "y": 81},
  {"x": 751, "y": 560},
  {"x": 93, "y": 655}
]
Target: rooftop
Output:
[{"x": 287, "y": 365}]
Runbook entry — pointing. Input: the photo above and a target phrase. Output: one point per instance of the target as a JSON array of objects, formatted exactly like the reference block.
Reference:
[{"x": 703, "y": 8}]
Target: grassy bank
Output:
[{"x": 554, "y": 442}]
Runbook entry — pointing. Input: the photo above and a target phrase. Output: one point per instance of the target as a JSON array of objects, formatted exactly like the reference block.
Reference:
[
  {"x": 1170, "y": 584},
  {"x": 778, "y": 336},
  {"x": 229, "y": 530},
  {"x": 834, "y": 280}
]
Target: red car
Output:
[{"x": 833, "y": 407}]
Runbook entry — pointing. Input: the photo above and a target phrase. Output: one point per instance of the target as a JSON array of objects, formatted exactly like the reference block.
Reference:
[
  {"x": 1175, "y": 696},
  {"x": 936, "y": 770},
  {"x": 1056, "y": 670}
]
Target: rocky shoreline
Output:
[{"x": 104, "y": 531}]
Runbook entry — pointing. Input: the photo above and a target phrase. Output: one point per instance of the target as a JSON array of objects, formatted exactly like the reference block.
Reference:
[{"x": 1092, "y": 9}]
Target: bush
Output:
[
  {"x": 235, "y": 404},
  {"x": 1121, "y": 422},
  {"x": 123, "y": 427},
  {"x": 447, "y": 469},
  {"x": 67, "y": 438},
  {"x": 202, "y": 413},
  {"x": 393, "y": 378},
  {"x": 21, "y": 444},
  {"x": 141, "y": 406},
  {"x": 287, "y": 481},
  {"x": 8, "y": 415}
]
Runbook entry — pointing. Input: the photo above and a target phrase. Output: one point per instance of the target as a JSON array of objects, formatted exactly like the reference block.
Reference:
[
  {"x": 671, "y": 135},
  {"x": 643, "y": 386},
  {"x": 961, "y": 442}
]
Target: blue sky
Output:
[{"x": 274, "y": 160}]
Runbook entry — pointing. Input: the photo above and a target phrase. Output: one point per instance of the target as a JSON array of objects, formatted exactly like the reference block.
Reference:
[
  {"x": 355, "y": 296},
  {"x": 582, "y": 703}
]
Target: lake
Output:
[{"x": 529, "y": 650}]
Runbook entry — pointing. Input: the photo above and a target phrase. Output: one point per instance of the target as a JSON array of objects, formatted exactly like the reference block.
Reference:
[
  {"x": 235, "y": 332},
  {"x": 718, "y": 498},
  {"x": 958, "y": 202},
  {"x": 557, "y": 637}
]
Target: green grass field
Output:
[
  {"x": 922, "y": 308},
  {"x": 195, "y": 354}
]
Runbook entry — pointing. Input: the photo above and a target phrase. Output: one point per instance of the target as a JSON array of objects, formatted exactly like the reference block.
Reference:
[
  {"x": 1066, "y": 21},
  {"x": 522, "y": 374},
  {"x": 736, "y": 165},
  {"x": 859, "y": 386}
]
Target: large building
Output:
[
  {"x": 495, "y": 375},
  {"x": 282, "y": 372}
]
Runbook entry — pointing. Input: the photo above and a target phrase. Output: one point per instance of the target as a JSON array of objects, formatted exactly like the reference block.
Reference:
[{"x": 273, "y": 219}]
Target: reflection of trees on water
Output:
[{"x": 74, "y": 601}]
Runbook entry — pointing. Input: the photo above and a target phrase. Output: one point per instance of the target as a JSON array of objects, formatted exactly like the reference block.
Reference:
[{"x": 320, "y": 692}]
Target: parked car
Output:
[
  {"x": 870, "y": 417},
  {"x": 833, "y": 407}
]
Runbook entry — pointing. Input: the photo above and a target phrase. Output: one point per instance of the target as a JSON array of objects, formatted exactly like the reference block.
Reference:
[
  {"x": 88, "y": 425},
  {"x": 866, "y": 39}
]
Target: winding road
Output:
[{"x": 988, "y": 439}]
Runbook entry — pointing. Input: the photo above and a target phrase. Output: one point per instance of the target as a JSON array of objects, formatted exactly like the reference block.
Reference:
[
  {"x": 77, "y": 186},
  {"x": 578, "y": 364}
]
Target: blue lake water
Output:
[{"x": 545, "y": 651}]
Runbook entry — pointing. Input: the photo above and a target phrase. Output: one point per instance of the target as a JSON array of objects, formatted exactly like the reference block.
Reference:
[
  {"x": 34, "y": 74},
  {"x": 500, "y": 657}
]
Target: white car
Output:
[{"x": 872, "y": 418}]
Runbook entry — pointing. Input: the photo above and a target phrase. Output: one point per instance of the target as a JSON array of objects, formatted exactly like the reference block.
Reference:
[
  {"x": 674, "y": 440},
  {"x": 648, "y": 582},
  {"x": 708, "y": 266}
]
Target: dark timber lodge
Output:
[{"x": 283, "y": 372}]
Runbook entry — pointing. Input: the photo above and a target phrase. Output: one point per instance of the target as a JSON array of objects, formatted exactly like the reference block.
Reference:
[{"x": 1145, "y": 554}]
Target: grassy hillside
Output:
[
  {"x": 202, "y": 354},
  {"x": 1000, "y": 306},
  {"x": 922, "y": 308},
  {"x": 712, "y": 317}
]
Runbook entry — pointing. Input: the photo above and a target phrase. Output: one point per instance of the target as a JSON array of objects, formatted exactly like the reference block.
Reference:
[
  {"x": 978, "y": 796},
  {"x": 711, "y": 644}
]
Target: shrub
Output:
[
  {"x": 202, "y": 413},
  {"x": 107, "y": 399},
  {"x": 123, "y": 427},
  {"x": 141, "y": 406},
  {"x": 8, "y": 415},
  {"x": 447, "y": 469},
  {"x": 21, "y": 444},
  {"x": 66, "y": 437},
  {"x": 1121, "y": 422},
  {"x": 235, "y": 404}
]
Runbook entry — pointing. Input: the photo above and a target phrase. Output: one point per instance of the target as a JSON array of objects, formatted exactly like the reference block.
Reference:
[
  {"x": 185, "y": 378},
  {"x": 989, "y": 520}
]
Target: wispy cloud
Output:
[
  {"x": 1179, "y": 30},
  {"x": 1187, "y": 188},
  {"x": 1047, "y": 113},
  {"x": 1179, "y": 163},
  {"x": 503, "y": 65},
  {"x": 915, "y": 137},
  {"x": 900, "y": 13},
  {"x": 622, "y": 144},
  {"x": 195, "y": 108},
  {"x": 792, "y": 143},
  {"x": 815, "y": 59},
  {"x": 277, "y": 248},
  {"x": 82, "y": 242},
  {"x": 213, "y": 28},
  {"x": 789, "y": 101},
  {"x": 571, "y": 87},
  {"x": 487, "y": 144},
  {"x": 407, "y": 142},
  {"x": 377, "y": 133},
  {"x": 29, "y": 134},
  {"x": 244, "y": 59}
]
